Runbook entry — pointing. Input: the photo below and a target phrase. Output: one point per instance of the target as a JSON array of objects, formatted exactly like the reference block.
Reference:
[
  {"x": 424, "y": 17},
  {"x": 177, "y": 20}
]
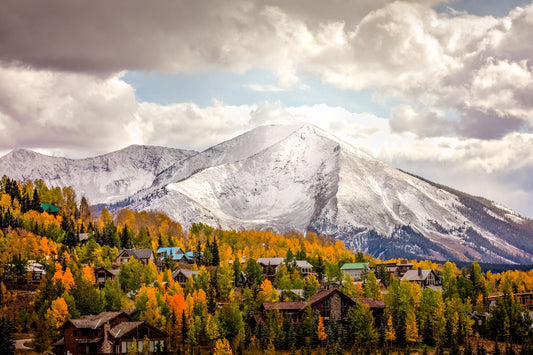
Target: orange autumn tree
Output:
[
  {"x": 57, "y": 314},
  {"x": 321, "y": 330}
]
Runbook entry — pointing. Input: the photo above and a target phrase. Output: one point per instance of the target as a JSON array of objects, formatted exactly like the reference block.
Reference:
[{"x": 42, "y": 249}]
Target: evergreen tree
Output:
[
  {"x": 125, "y": 238},
  {"x": 215, "y": 252},
  {"x": 36, "y": 202},
  {"x": 7, "y": 341},
  {"x": 320, "y": 269},
  {"x": 71, "y": 238},
  {"x": 362, "y": 323},
  {"x": 212, "y": 293},
  {"x": 254, "y": 273},
  {"x": 85, "y": 210},
  {"x": 41, "y": 338}
]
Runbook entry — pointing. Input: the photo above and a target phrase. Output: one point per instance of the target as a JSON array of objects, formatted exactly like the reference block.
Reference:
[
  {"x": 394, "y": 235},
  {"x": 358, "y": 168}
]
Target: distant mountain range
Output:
[{"x": 294, "y": 177}]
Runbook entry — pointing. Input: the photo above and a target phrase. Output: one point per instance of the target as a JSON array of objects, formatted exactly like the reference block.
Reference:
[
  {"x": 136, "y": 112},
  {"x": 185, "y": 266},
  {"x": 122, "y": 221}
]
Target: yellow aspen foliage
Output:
[
  {"x": 66, "y": 257},
  {"x": 254, "y": 346},
  {"x": 211, "y": 328},
  {"x": 411, "y": 331},
  {"x": 6, "y": 297},
  {"x": 268, "y": 293},
  {"x": 321, "y": 330},
  {"x": 359, "y": 291},
  {"x": 87, "y": 274},
  {"x": 271, "y": 349},
  {"x": 479, "y": 307},
  {"x": 5, "y": 202},
  {"x": 390, "y": 334},
  {"x": 222, "y": 347},
  {"x": 225, "y": 253},
  {"x": 174, "y": 288},
  {"x": 415, "y": 294},
  {"x": 58, "y": 314}
]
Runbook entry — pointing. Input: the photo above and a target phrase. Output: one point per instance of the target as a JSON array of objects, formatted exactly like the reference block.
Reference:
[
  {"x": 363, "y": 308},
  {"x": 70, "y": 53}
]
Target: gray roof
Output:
[
  {"x": 303, "y": 264},
  {"x": 270, "y": 261},
  {"x": 184, "y": 272},
  {"x": 138, "y": 253},
  {"x": 417, "y": 275},
  {"x": 95, "y": 321},
  {"x": 123, "y": 328}
]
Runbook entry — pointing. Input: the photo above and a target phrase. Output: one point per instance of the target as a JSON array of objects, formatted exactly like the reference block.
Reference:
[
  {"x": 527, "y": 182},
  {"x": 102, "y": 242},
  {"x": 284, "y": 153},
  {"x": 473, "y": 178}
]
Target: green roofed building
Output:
[
  {"x": 48, "y": 207},
  {"x": 355, "y": 270}
]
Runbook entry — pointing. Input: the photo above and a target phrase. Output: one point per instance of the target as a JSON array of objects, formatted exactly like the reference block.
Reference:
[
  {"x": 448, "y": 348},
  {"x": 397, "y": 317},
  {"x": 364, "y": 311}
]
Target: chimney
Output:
[
  {"x": 107, "y": 328},
  {"x": 419, "y": 272}
]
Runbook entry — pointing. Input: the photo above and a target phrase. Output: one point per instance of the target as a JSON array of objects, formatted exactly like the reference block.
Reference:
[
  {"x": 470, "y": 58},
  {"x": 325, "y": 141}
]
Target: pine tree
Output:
[
  {"x": 36, "y": 202},
  {"x": 125, "y": 238},
  {"x": 41, "y": 338},
  {"x": 215, "y": 252},
  {"x": 320, "y": 269},
  {"x": 7, "y": 341},
  {"x": 212, "y": 294}
]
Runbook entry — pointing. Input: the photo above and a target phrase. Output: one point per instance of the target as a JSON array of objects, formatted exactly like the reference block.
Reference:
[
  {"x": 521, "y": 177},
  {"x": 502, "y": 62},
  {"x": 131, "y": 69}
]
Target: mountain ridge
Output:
[
  {"x": 301, "y": 177},
  {"x": 103, "y": 178}
]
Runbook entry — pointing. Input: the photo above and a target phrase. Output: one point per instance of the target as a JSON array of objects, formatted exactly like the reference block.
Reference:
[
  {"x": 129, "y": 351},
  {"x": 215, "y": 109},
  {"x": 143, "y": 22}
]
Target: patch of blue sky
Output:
[
  {"x": 497, "y": 8},
  {"x": 237, "y": 89}
]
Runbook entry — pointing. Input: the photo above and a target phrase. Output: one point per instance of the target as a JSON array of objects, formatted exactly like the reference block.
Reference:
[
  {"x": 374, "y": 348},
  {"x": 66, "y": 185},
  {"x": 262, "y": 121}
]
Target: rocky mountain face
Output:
[
  {"x": 102, "y": 179},
  {"x": 300, "y": 177}
]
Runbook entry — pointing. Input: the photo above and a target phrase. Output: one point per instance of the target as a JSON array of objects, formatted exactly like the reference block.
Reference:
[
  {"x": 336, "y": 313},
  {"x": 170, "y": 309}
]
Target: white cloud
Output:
[{"x": 44, "y": 109}]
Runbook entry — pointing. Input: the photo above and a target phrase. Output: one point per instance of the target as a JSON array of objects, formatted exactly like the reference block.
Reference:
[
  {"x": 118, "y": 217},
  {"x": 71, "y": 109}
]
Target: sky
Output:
[{"x": 442, "y": 89}]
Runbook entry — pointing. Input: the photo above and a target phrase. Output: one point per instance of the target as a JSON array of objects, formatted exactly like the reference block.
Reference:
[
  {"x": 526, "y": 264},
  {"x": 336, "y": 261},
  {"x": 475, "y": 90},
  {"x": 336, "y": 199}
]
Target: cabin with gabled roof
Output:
[
  {"x": 423, "y": 277},
  {"x": 143, "y": 255},
  {"x": 108, "y": 333}
]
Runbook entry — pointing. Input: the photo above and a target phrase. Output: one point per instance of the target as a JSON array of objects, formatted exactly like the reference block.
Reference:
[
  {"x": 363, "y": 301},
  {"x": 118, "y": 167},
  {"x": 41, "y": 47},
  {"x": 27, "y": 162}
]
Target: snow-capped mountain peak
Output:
[{"x": 295, "y": 177}]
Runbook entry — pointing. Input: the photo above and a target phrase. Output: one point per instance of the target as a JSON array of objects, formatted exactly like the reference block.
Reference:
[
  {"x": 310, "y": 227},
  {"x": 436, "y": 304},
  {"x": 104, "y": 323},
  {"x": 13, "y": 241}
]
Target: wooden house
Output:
[
  {"x": 181, "y": 275},
  {"x": 101, "y": 275},
  {"x": 143, "y": 255},
  {"x": 331, "y": 304},
  {"x": 108, "y": 333},
  {"x": 423, "y": 277}
]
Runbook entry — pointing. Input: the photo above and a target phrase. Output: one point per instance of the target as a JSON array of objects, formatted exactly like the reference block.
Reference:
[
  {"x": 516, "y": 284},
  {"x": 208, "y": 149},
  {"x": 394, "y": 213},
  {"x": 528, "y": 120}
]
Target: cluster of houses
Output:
[{"x": 116, "y": 332}]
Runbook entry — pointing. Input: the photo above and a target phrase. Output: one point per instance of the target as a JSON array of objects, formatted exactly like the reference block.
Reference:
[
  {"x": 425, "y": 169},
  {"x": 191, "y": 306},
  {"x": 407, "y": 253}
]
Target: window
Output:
[
  {"x": 326, "y": 308},
  {"x": 344, "y": 309}
]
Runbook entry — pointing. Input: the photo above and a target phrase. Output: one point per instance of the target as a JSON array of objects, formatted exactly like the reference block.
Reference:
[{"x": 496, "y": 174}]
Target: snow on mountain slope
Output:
[
  {"x": 300, "y": 177},
  {"x": 232, "y": 150},
  {"x": 294, "y": 177},
  {"x": 102, "y": 179}
]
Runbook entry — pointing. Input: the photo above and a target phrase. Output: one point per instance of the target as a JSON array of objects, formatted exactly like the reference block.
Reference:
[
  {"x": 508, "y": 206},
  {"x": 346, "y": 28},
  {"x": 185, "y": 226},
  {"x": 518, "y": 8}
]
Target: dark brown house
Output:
[
  {"x": 101, "y": 275},
  {"x": 108, "y": 333},
  {"x": 292, "y": 311},
  {"x": 331, "y": 304}
]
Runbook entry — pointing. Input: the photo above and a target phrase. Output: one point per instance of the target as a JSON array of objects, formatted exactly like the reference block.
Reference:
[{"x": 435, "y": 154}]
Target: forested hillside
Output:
[{"x": 222, "y": 304}]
